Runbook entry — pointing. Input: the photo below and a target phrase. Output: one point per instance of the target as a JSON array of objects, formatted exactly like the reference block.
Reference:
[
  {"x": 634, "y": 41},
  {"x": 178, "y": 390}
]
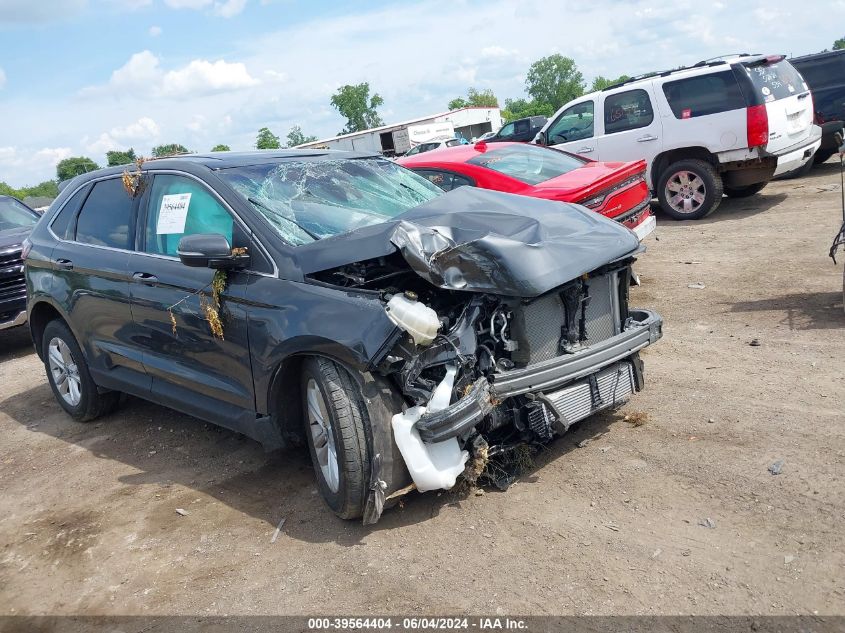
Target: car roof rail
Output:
[{"x": 665, "y": 73}]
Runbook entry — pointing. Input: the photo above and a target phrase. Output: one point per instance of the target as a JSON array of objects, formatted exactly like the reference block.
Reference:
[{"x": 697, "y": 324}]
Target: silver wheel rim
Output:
[
  {"x": 64, "y": 371},
  {"x": 685, "y": 192},
  {"x": 322, "y": 438}
]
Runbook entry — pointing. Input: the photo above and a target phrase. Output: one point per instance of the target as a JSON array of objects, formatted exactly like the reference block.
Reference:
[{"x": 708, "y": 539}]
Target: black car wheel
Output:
[
  {"x": 69, "y": 378},
  {"x": 689, "y": 189},
  {"x": 744, "y": 192},
  {"x": 335, "y": 418}
]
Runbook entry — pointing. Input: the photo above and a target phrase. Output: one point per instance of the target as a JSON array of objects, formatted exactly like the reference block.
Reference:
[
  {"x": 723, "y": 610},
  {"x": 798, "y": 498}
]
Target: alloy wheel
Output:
[
  {"x": 685, "y": 192},
  {"x": 322, "y": 436},
  {"x": 64, "y": 371}
]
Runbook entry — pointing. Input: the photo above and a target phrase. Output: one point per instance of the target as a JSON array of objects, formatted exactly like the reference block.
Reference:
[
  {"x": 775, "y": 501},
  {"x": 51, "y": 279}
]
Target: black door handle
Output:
[
  {"x": 145, "y": 278},
  {"x": 64, "y": 264}
]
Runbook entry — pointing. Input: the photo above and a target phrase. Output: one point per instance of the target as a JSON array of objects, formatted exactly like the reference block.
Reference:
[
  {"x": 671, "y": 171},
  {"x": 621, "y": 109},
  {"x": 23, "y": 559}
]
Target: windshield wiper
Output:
[{"x": 276, "y": 214}]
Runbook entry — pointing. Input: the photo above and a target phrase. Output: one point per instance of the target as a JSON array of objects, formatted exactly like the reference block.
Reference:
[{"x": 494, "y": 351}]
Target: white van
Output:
[{"x": 723, "y": 126}]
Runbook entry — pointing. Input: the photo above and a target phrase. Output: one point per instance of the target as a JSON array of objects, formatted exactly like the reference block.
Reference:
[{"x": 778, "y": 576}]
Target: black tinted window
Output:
[
  {"x": 444, "y": 179},
  {"x": 106, "y": 216},
  {"x": 823, "y": 71},
  {"x": 702, "y": 95},
  {"x": 627, "y": 111},
  {"x": 63, "y": 220}
]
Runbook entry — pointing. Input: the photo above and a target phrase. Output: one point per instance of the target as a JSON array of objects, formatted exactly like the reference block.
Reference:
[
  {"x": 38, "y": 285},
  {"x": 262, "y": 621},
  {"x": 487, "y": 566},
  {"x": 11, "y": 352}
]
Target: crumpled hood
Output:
[{"x": 479, "y": 240}]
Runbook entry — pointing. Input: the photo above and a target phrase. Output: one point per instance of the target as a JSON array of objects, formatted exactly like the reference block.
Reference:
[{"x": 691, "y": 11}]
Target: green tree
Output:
[
  {"x": 358, "y": 107},
  {"x": 267, "y": 140},
  {"x": 221, "y": 148},
  {"x": 521, "y": 108},
  {"x": 170, "y": 149},
  {"x": 117, "y": 157},
  {"x": 48, "y": 189},
  {"x": 554, "y": 80},
  {"x": 475, "y": 99},
  {"x": 839, "y": 44},
  {"x": 72, "y": 167},
  {"x": 600, "y": 83},
  {"x": 296, "y": 137}
]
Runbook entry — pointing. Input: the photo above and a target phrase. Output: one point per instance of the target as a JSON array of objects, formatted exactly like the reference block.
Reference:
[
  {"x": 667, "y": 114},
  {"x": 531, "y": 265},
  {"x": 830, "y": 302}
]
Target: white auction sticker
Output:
[{"x": 173, "y": 213}]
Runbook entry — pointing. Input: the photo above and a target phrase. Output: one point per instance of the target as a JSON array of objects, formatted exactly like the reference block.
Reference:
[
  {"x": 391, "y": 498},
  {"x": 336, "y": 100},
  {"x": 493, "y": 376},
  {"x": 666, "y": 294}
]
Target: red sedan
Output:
[{"x": 616, "y": 190}]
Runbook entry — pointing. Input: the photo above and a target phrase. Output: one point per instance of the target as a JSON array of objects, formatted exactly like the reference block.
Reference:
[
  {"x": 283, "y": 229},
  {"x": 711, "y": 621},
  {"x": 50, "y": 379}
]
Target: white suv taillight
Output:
[{"x": 757, "y": 125}]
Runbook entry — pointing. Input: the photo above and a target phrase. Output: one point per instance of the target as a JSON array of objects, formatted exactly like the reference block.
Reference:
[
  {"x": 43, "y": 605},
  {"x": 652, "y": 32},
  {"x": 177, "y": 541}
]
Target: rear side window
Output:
[
  {"x": 775, "y": 81},
  {"x": 627, "y": 111},
  {"x": 823, "y": 72},
  {"x": 703, "y": 95},
  {"x": 61, "y": 225},
  {"x": 444, "y": 179},
  {"x": 106, "y": 216}
]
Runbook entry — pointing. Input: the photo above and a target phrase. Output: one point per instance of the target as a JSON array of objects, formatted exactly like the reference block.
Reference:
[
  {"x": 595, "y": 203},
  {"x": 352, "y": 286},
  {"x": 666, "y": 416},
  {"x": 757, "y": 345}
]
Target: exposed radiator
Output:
[{"x": 538, "y": 326}]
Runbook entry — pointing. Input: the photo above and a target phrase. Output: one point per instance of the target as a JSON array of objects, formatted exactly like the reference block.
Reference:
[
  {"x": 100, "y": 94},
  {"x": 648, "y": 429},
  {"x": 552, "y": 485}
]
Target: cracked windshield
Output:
[{"x": 309, "y": 200}]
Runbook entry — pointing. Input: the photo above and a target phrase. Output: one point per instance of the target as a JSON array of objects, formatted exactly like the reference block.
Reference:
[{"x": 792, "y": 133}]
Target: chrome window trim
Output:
[{"x": 172, "y": 172}]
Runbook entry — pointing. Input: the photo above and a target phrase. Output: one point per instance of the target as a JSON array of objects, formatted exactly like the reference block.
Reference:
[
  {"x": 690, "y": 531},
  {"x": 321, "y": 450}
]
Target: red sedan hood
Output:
[{"x": 586, "y": 181}]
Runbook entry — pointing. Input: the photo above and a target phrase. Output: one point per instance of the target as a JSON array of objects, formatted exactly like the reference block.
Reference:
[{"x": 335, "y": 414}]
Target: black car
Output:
[
  {"x": 339, "y": 297},
  {"x": 825, "y": 75},
  {"x": 521, "y": 130},
  {"x": 16, "y": 221}
]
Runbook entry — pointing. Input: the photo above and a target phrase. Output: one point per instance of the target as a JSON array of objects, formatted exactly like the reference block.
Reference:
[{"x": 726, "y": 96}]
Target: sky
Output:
[{"x": 81, "y": 77}]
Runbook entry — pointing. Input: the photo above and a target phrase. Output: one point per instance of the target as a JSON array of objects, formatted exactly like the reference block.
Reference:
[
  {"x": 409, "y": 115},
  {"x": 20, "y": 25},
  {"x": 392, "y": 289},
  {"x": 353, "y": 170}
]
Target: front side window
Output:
[
  {"x": 180, "y": 206},
  {"x": 446, "y": 180},
  {"x": 528, "y": 163},
  {"x": 306, "y": 200},
  {"x": 106, "y": 216},
  {"x": 702, "y": 95},
  {"x": 574, "y": 124},
  {"x": 522, "y": 127},
  {"x": 14, "y": 215},
  {"x": 627, "y": 111},
  {"x": 506, "y": 131}
]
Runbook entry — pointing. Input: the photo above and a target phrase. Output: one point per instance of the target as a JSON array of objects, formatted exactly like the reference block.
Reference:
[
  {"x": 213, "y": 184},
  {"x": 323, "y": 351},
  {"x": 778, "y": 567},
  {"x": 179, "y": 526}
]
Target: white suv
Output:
[{"x": 724, "y": 126}]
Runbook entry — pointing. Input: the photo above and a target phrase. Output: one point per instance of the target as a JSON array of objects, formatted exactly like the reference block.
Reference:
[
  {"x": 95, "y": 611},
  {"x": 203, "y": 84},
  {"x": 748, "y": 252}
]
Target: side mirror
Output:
[
  {"x": 540, "y": 139},
  {"x": 209, "y": 250}
]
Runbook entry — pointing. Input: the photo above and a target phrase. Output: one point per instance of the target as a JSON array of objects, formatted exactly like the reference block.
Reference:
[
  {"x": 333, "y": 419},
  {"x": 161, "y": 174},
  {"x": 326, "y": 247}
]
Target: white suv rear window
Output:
[
  {"x": 703, "y": 95},
  {"x": 775, "y": 81}
]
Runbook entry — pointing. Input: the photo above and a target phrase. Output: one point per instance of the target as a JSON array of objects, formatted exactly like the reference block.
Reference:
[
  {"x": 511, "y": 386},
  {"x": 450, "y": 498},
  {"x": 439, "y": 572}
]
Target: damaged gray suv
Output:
[{"x": 339, "y": 299}]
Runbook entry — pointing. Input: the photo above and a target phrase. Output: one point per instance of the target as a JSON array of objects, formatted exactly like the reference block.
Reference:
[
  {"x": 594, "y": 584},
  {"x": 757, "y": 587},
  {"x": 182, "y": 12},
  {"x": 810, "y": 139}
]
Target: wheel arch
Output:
[
  {"x": 41, "y": 313},
  {"x": 664, "y": 159}
]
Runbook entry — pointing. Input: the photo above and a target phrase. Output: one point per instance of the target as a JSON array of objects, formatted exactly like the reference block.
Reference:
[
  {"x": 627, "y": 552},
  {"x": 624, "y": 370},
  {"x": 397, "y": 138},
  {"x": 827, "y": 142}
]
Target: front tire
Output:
[
  {"x": 69, "y": 378},
  {"x": 689, "y": 189},
  {"x": 336, "y": 423},
  {"x": 744, "y": 192}
]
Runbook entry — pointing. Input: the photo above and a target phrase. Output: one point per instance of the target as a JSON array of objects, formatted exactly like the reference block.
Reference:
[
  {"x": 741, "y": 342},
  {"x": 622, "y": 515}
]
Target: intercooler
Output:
[{"x": 539, "y": 327}]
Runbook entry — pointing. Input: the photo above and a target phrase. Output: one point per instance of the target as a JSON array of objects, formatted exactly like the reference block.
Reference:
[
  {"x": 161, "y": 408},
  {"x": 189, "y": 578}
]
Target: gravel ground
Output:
[{"x": 677, "y": 516}]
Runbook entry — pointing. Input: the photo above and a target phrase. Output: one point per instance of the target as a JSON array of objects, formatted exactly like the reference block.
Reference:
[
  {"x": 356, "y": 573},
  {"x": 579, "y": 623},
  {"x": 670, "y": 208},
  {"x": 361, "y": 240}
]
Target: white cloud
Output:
[
  {"x": 142, "y": 75},
  {"x": 203, "y": 77},
  {"x": 222, "y": 8},
  {"x": 229, "y": 8},
  {"x": 31, "y": 166},
  {"x": 497, "y": 52},
  {"x": 188, "y": 4},
  {"x": 142, "y": 129},
  {"x": 155, "y": 31},
  {"x": 2, "y": 78},
  {"x": 103, "y": 143}
]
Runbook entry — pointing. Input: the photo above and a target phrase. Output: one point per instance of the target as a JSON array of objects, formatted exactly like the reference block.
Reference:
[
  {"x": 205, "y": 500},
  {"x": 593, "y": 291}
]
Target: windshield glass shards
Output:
[{"x": 306, "y": 200}]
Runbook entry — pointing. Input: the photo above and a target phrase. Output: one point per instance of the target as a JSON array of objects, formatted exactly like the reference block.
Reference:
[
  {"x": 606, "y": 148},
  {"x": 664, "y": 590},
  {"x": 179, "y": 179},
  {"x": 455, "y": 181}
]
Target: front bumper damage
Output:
[{"x": 643, "y": 328}]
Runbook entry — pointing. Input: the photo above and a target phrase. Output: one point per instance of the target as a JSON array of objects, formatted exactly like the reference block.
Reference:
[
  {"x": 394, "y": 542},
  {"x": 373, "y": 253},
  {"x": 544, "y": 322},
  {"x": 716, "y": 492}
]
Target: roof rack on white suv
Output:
[{"x": 726, "y": 125}]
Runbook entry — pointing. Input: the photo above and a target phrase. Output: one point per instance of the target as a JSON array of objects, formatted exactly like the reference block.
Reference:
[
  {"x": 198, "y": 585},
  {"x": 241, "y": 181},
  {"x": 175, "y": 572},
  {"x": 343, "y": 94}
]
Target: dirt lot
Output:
[{"x": 679, "y": 515}]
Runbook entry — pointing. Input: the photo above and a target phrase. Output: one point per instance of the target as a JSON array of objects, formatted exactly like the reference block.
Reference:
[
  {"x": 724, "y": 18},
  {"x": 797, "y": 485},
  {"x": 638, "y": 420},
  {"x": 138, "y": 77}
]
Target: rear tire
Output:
[
  {"x": 335, "y": 419},
  {"x": 744, "y": 192},
  {"x": 822, "y": 156},
  {"x": 69, "y": 378},
  {"x": 689, "y": 189}
]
